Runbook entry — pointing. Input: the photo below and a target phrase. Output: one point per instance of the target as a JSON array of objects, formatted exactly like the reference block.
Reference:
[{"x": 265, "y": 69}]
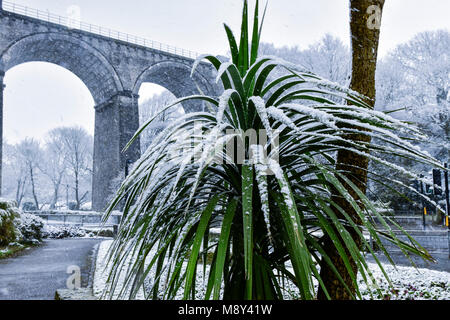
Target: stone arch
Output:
[
  {"x": 96, "y": 72},
  {"x": 70, "y": 53},
  {"x": 176, "y": 77}
]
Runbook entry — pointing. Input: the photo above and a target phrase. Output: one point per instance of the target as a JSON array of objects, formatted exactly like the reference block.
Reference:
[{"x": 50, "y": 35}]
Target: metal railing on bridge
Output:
[{"x": 98, "y": 30}]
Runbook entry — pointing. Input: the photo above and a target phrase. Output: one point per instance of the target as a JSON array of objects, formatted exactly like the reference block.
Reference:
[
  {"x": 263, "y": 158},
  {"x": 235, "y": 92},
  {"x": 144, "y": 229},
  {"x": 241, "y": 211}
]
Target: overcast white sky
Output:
[{"x": 41, "y": 96}]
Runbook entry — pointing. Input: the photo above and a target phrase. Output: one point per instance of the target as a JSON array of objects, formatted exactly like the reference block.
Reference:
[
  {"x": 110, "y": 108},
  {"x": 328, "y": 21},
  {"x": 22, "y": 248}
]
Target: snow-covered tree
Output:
[
  {"x": 30, "y": 155},
  {"x": 150, "y": 108},
  {"x": 416, "y": 76},
  {"x": 329, "y": 57},
  {"x": 77, "y": 146},
  {"x": 55, "y": 165},
  {"x": 424, "y": 61},
  {"x": 14, "y": 174}
]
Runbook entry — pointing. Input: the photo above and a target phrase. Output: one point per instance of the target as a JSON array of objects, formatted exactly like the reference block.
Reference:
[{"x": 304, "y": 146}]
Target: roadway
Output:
[{"x": 36, "y": 273}]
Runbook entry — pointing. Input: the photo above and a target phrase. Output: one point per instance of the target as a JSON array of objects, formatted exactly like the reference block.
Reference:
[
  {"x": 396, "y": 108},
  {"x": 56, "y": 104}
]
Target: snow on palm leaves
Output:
[{"x": 270, "y": 198}]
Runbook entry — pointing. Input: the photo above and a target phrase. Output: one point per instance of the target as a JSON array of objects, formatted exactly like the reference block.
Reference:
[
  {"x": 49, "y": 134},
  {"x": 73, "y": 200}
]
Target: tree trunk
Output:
[
  {"x": 55, "y": 196},
  {"x": 19, "y": 183},
  {"x": 365, "y": 18},
  {"x": 33, "y": 188},
  {"x": 20, "y": 191},
  {"x": 56, "y": 186},
  {"x": 77, "y": 196}
]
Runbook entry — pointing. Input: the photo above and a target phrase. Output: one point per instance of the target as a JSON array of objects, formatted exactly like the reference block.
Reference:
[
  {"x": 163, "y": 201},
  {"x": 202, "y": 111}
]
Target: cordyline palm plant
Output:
[{"x": 273, "y": 208}]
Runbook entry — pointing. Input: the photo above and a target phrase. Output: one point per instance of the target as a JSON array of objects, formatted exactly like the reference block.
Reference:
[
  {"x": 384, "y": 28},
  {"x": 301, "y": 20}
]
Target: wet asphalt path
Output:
[{"x": 36, "y": 273}]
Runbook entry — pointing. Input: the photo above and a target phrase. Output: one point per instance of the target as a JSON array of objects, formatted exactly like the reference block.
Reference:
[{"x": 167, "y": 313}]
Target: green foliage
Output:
[
  {"x": 9, "y": 215},
  {"x": 11, "y": 250},
  {"x": 271, "y": 226}
]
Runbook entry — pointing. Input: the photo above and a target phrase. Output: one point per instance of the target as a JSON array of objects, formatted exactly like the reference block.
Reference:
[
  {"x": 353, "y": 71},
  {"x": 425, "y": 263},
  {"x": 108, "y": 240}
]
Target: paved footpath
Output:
[{"x": 36, "y": 273}]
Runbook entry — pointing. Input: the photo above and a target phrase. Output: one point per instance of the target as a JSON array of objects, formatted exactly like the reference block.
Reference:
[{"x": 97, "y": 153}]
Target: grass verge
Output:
[{"x": 12, "y": 250}]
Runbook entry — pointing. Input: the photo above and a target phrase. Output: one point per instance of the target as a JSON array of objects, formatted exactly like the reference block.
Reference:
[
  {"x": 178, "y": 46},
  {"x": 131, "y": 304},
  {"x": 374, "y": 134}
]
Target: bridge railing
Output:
[{"x": 95, "y": 29}]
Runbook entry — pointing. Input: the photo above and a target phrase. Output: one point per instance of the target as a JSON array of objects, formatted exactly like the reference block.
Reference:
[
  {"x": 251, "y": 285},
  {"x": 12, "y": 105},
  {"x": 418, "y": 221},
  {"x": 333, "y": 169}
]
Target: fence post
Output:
[
  {"x": 423, "y": 202},
  {"x": 424, "y": 214},
  {"x": 447, "y": 206},
  {"x": 447, "y": 191}
]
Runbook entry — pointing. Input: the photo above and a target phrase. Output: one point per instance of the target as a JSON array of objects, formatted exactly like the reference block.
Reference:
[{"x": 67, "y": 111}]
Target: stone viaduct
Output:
[{"x": 113, "y": 70}]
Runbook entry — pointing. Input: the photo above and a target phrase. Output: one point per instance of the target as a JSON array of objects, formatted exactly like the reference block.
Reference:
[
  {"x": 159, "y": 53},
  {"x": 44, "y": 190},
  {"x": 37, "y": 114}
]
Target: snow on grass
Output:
[
  {"x": 409, "y": 283},
  {"x": 102, "y": 271}
]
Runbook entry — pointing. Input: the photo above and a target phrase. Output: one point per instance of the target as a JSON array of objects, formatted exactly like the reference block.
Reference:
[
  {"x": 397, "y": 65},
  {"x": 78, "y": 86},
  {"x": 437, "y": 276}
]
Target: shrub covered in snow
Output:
[
  {"x": 9, "y": 215},
  {"x": 16, "y": 226},
  {"x": 72, "y": 205},
  {"x": 31, "y": 227},
  {"x": 60, "y": 232},
  {"x": 29, "y": 206},
  {"x": 103, "y": 232},
  {"x": 86, "y": 206}
]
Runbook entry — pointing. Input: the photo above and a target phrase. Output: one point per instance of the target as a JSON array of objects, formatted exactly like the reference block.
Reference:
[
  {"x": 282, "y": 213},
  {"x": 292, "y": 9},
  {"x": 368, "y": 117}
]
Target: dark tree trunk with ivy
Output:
[{"x": 365, "y": 18}]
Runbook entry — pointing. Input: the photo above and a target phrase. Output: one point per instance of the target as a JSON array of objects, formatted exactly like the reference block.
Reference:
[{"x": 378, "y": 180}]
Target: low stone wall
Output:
[
  {"x": 433, "y": 241},
  {"x": 80, "y": 218},
  {"x": 410, "y": 222},
  {"x": 68, "y": 212},
  {"x": 432, "y": 237},
  {"x": 76, "y": 294}
]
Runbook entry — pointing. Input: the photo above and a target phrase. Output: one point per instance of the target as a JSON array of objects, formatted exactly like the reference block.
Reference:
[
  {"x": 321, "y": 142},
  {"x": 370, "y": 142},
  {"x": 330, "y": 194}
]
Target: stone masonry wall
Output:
[{"x": 113, "y": 71}]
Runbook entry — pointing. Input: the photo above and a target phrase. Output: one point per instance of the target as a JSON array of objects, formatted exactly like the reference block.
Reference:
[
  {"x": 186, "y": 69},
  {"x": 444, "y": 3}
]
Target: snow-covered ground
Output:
[
  {"x": 101, "y": 272},
  {"x": 408, "y": 282}
]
